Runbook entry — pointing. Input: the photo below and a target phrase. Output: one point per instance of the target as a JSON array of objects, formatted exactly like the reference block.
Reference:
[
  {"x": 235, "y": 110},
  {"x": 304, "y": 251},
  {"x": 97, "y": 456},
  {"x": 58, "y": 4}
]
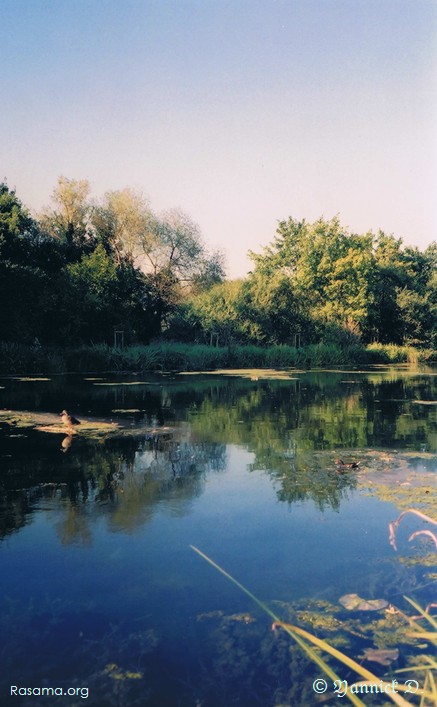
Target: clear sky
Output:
[{"x": 241, "y": 112}]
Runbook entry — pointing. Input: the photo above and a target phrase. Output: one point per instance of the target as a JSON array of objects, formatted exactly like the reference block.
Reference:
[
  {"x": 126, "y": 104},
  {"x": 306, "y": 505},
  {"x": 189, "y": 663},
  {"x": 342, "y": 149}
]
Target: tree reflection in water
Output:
[
  {"x": 123, "y": 479},
  {"x": 252, "y": 432}
]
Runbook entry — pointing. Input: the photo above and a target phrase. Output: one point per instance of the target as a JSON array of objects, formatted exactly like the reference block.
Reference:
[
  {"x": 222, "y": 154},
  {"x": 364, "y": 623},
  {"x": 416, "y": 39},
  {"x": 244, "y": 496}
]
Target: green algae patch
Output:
[
  {"x": 126, "y": 383},
  {"x": 428, "y": 560},
  {"x": 86, "y": 429},
  {"x": 420, "y": 495},
  {"x": 393, "y": 468},
  {"x": 48, "y": 422},
  {"x": 393, "y": 478},
  {"x": 26, "y": 379},
  {"x": 18, "y": 419},
  {"x": 89, "y": 428}
]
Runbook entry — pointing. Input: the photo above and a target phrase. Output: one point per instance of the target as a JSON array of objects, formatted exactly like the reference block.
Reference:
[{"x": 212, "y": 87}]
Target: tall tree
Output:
[
  {"x": 69, "y": 218},
  {"x": 122, "y": 222},
  {"x": 169, "y": 249}
]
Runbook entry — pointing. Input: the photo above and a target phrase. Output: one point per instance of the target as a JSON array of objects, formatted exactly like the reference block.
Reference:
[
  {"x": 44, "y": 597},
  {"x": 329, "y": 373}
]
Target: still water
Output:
[{"x": 100, "y": 587}]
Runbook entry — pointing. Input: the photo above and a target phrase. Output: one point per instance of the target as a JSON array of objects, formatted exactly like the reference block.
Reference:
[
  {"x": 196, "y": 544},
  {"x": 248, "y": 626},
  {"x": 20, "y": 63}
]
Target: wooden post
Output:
[{"x": 118, "y": 337}]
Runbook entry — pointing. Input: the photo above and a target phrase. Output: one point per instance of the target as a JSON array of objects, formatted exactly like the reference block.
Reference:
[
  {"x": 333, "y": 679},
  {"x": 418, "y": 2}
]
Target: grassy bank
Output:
[{"x": 18, "y": 359}]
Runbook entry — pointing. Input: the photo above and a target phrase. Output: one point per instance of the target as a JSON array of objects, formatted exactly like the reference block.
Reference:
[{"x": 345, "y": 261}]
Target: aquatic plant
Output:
[
  {"x": 311, "y": 645},
  {"x": 112, "y": 659},
  {"x": 169, "y": 355},
  {"x": 394, "y": 525},
  {"x": 427, "y": 664}
]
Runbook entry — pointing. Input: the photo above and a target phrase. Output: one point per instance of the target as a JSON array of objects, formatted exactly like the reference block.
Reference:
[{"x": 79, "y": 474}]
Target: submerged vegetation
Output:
[{"x": 397, "y": 628}]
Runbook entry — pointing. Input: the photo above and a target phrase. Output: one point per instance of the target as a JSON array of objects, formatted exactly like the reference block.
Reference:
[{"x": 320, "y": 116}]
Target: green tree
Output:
[
  {"x": 17, "y": 227},
  {"x": 27, "y": 267},
  {"x": 215, "y": 315},
  {"x": 328, "y": 268},
  {"x": 101, "y": 294},
  {"x": 271, "y": 312}
]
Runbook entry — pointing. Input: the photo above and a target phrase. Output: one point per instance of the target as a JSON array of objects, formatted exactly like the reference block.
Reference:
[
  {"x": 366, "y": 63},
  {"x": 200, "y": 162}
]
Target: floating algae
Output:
[
  {"x": 89, "y": 428},
  {"x": 251, "y": 373},
  {"x": 26, "y": 379},
  {"x": 49, "y": 422},
  {"x": 127, "y": 383}
]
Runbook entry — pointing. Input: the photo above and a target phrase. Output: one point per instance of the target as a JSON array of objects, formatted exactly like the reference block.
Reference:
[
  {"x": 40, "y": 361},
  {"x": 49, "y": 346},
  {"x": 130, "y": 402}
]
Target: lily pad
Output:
[
  {"x": 353, "y": 602},
  {"x": 383, "y": 656}
]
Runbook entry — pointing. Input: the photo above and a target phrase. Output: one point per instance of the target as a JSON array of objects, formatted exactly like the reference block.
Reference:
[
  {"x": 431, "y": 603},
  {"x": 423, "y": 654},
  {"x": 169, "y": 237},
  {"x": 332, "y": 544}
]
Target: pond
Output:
[{"x": 101, "y": 587}]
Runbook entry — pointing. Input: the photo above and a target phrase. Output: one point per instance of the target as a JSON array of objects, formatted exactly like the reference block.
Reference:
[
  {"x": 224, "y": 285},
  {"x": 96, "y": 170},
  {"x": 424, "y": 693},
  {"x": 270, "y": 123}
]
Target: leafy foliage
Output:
[{"x": 85, "y": 268}]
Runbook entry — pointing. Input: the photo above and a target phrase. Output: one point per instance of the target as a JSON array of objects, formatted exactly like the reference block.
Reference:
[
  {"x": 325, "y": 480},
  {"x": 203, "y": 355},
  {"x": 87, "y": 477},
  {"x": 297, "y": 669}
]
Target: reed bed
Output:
[{"x": 174, "y": 356}]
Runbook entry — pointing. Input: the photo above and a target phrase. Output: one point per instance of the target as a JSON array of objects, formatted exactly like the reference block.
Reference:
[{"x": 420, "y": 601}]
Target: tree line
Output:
[
  {"x": 82, "y": 268},
  {"x": 317, "y": 282}
]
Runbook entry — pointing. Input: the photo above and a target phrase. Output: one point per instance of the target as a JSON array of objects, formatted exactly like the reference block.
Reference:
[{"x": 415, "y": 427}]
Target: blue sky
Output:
[{"x": 241, "y": 112}]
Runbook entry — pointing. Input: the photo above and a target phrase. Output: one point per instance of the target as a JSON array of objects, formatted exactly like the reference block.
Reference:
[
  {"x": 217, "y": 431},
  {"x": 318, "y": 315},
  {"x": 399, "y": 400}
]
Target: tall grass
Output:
[
  {"x": 174, "y": 356},
  {"x": 18, "y": 358},
  {"x": 392, "y": 353}
]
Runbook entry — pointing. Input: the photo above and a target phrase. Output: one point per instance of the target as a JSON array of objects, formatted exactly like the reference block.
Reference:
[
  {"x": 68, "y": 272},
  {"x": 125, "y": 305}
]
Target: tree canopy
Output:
[
  {"x": 84, "y": 267},
  {"x": 319, "y": 282}
]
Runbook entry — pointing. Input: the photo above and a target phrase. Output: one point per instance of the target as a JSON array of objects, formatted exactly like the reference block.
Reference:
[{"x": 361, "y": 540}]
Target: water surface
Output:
[{"x": 99, "y": 585}]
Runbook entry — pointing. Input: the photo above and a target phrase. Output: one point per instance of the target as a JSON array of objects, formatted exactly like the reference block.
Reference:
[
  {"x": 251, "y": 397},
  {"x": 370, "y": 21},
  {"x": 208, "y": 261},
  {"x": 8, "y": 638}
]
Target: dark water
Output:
[{"x": 99, "y": 586}]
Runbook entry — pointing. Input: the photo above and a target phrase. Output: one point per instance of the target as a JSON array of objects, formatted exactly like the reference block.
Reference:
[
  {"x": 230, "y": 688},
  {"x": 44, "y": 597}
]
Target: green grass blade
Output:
[
  {"x": 350, "y": 663},
  {"x": 297, "y": 634},
  {"x": 432, "y": 664},
  {"x": 432, "y": 695}
]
